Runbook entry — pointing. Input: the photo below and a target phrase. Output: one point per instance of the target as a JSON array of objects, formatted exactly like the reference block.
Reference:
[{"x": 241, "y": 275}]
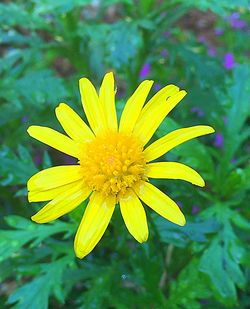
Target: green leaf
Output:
[
  {"x": 213, "y": 264},
  {"x": 24, "y": 231},
  {"x": 35, "y": 294},
  {"x": 181, "y": 236},
  {"x": 189, "y": 288},
  {"x": 46, "y": 89},
  {"x": 222, "y": 8},
  {"x": 241, "y": 221},
  {"x": 16, "y": 169},
  {"x": 115, "y": 45},
  {"x": 220, "y": 262},
  {"x": 238, "y": 94},
  {"x": 60, "y": 6},
  {"x": 106, "y": 3},
  {"x": 13, "y": 14}
]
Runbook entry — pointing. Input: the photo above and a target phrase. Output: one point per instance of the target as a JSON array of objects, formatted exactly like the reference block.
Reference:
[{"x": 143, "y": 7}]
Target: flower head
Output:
[
  {"x": 198, "y": 111},
  {"x": 218, "y": 31},
  {"x": 145, "y": 70},
  {"x": 236, "y": 22},
  {"x": 219, "y": 140},
  {"x": 211, "y": 51},
  {"x": 229, "y": 62},
  {"x": 114, "y": 166}
]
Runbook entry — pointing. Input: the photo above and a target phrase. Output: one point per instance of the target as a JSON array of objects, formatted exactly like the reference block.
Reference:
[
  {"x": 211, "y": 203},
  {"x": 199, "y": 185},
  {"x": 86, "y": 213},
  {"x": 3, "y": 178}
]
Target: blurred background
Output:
[{"x": 202, "y": 46}]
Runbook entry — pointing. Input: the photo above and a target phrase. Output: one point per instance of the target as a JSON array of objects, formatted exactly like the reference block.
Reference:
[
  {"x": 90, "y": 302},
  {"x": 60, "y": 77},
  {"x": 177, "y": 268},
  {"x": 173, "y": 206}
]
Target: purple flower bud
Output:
[
  {"x": 211, "y": 51},
  {"x": 179, "y": 204},
  {"x": 164, "y": 53},
  {"x": 202, "y": 39},
  {"x": 238, "y": 24},
  {"x": 145, "y": 70},
  {"x": 37, "y": 159},
  {"x": 198, "y": 111},
  {"x": 234, "y": 161},
  {"x": 235, "y": 21},
  {"x": 234, "y": 15},
  {"x": 157, "y": 86},
  {"x": 195, "y": 209},
  {"x": 228, "y": 61},
  {"x": 218, "y": 31},
  {"x": 166, "y": 34},
  {"x": 219, "y": 140},
  {"x": 25, "y": 119}
]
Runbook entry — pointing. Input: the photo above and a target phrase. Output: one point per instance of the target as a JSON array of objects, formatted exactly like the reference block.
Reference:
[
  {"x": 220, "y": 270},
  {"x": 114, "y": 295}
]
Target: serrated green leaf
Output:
[
  {"x": 220, "y": 262},
  {"x": 35, "y": 294},
  {"x": 181, "y": 236},
  {"x": 241, "y": 222},
  {"x": 13, "y": 14},
  {"x": 188, "y": 289},
  {"x": 123, "y": 43},
  {"x": 16, "y": 169},
  {"x": 24, "y": 231},
  {"x": 221, "y": 8}
]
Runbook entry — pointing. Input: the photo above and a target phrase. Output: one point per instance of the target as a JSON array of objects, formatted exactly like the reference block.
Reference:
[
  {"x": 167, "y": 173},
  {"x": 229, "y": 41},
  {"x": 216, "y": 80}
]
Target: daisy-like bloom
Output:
[{"x": 114, "y": 165}]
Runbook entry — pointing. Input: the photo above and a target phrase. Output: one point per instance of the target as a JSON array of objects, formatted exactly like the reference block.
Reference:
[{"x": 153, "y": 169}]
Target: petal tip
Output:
[
  {"x": 30, "y": 129},
  {"x": 110, "y": 74},
  {"x": 182, "y": 221},
  {"x": 144, "y": 239},
  {"x": 199, "y": 181},
  {"x": 35, "y": 219},
  {"x": 80, "y": 254},
  {"x": 202, "y": 183},
  {"x": 83, "y": 80},
  {"x": 61, "y": 105},
  {"x": 212, "y": 130},
  {"x": 30, "y": 197}
]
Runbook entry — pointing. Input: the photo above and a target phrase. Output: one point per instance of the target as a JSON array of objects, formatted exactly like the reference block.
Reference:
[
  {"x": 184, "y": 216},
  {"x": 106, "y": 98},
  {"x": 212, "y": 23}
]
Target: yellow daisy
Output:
[{"x": 113, "y": 163}]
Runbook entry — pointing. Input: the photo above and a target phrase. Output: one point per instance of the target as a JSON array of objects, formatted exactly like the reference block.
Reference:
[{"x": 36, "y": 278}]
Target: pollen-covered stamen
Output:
[{"x": 112, "y": 163}]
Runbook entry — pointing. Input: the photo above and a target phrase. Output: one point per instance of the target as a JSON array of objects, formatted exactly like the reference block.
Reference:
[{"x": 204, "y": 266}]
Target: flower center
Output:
[{"x": 112, "y": 163}]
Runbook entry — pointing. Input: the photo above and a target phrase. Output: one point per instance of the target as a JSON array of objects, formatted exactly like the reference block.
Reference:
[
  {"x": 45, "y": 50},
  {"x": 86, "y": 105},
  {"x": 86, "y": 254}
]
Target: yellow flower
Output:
[{"x": 114, "y": 165}]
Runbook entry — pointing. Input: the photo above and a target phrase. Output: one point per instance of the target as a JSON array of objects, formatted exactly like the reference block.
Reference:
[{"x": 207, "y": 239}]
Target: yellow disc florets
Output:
[{"x": 112, "y": 163}]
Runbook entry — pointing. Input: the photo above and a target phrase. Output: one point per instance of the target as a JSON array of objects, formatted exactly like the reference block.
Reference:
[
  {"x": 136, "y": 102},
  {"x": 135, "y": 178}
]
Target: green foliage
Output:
[
  {"x": 22, "y": 164},
  {"x": 221, "y": 8},
  {"x": 46, "y": 46},
  {"x": 42, "y": 287},
  {"x": 25, "y": 232},
  {"x": 189, "y": 289},
  {"x": 182, "y": 236}
]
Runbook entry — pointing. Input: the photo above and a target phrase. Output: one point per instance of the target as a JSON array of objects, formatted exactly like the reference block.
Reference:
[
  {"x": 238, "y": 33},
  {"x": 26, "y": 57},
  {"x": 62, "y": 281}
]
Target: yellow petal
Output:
[
  {"x": 160, "y": 97},
  {"x": 54, "y": 139},
  {"x": 134, "y": 216},
  {"x": 150, "y": 120},
  {"x": 174, "y": 170},
  {"x": 177, "y": 137},
  {"x": 133, "y": 107},
  {"x": 160, "y": 203},
  {"x": 62, "y": 204},
  {"x": 50, "y": 194},
  {"x": 72, "y": 123},
  {"x": 107, "y": 99},
  {"x": 54, "y": 177},
  {"x": 94, "y": 223},
  {"x": 92, "y": 107}
]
